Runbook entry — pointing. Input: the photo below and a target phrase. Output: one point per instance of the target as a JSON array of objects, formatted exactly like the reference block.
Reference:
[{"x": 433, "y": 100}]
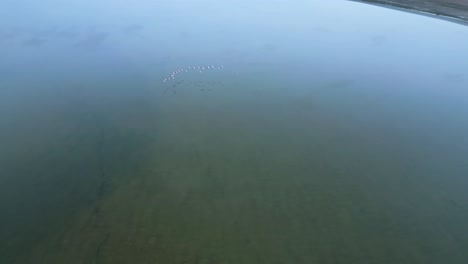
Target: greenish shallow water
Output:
[{"x": 319, "y": 141}]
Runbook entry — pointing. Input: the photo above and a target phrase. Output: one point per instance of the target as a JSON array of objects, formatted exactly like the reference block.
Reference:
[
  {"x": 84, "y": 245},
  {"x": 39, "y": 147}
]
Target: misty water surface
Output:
[{"x": 231, "y": 132}]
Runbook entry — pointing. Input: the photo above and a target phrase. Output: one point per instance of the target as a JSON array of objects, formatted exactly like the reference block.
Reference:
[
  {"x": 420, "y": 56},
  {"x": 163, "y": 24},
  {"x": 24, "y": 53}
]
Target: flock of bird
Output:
[{"x": 199, "y": 69}]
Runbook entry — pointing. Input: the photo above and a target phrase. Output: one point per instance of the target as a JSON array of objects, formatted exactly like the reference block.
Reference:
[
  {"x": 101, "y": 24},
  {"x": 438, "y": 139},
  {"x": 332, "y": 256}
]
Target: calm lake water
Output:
[{"x": 231, "y": 132}]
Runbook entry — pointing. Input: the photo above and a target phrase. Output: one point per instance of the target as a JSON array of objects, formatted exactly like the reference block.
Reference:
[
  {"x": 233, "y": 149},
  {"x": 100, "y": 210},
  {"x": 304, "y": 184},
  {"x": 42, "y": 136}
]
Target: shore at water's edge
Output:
[{"x": 451, "y": 10}]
